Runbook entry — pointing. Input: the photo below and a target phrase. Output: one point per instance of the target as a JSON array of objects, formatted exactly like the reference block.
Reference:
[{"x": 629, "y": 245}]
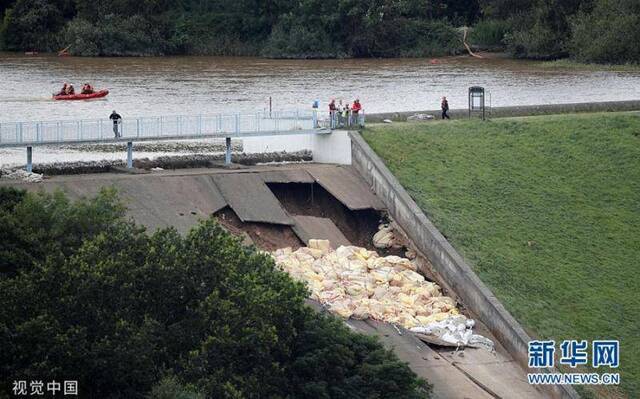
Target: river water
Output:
[{"x": 209, "y": 85}]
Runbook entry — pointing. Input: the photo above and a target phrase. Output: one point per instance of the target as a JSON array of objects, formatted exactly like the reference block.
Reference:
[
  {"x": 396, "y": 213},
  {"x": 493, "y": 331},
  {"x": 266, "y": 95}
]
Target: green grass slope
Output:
[{"x": 547, "y": 212}]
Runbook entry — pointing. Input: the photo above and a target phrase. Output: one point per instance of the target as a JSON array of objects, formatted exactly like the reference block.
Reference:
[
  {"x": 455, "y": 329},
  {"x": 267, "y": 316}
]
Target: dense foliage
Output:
[
  {"x": 588, "y": 30},
  {"x": 88, "y": 295}
]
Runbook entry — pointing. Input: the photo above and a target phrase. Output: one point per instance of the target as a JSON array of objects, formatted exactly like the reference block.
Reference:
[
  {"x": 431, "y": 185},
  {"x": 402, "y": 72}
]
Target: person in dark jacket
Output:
[
  {"x": 332, "y": 112},
  {"x": 63, "y": 91},
  {"x": 444, "y": 105},
  {"x": 116, "y": 118}
]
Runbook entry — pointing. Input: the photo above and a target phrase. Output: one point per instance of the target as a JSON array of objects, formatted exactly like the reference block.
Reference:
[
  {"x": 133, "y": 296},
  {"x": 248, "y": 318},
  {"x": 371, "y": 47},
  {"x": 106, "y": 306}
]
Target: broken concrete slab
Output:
[
  {"x": 308, "y": 227},
  {"x": 344, "y": 183},
  {"x": 251, "y": 199},
  {"x": 287, "y": 176}
]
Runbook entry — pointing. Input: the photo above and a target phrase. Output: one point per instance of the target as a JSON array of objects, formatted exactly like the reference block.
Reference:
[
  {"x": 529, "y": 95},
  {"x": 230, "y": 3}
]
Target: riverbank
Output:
[
  {"x": 545, "y": 210},
  {"x": 569, "y": 64}
]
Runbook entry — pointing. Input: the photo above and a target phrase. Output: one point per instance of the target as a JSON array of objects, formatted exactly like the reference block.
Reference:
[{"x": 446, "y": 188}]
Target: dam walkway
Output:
[{"x": 181, "y": 127}]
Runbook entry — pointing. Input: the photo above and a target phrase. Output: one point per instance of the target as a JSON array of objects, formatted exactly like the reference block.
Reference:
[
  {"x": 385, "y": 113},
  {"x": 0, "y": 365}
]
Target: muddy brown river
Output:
[{"x": 206, "y": 85}]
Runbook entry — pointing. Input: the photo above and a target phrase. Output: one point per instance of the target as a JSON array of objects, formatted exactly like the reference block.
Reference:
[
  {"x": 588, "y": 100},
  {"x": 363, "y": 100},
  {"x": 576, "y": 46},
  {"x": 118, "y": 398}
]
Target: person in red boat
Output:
[
  {"x": 87, "y": 89},
  {"x": 63, "y": 91},
  {"x": 70, "y": 90}
]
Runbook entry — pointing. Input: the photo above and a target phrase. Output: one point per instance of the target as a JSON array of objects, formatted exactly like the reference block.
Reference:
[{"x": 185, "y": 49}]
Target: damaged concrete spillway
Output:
[{"x": 274, "y": 207}]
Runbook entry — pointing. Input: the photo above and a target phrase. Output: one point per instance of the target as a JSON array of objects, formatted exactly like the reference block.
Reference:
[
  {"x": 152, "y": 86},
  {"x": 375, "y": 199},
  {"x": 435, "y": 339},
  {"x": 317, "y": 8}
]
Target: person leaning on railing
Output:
[
  {"x": 356, "y": 107},
  {"x": 332, "y": 112}
]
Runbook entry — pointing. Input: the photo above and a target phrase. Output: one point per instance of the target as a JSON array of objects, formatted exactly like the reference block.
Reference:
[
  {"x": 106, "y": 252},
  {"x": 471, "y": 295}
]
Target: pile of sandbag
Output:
[
  {"x": 357, "y": 283},
  {"x": 354, "y": 282}
]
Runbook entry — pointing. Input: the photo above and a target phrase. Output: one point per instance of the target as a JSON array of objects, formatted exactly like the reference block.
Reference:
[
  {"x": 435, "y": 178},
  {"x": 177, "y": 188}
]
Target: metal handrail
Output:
[
  {"x": 92, "y": 130},
  {"x": 29, "y": 134}
]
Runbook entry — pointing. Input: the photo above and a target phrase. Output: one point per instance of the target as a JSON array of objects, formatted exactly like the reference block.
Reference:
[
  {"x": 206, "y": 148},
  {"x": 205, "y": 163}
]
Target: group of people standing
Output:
[{"x": 345, "y": 114}]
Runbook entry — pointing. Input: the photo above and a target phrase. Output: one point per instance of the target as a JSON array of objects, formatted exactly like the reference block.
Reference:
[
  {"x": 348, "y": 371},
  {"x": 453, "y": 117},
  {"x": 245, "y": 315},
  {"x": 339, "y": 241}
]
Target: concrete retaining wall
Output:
[
  {"x": 519, "y": 110},
  {"x": 445, "y": 259},
  {"x": 332, "y": 148}
]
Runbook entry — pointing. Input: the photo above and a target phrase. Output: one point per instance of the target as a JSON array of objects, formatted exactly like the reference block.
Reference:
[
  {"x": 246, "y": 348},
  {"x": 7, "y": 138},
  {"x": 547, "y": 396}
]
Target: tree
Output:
[
  {"x": 32, "y": 25},
  {"x": 134, "y": 315},
  {"x": 608, "y": 33}
]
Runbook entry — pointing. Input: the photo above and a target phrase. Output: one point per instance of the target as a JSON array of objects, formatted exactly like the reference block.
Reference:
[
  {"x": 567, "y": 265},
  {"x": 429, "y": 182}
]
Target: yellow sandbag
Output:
[
  {"x": 433, "y": 318},
  {"x": 407, "y": 321},
  {"x": 341, "y": 310},
  {"x": 358, "y": 265},
  {"x": 400, "y": 262},
  {"x": 322, "y": 245},
  {"x": 383, "y": 274},
  {"x": 406, "y": 299}
]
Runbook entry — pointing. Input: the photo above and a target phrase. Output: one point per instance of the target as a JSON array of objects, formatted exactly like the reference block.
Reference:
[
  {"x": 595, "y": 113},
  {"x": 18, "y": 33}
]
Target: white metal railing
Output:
[
  {"x": 29, "y": 134},
  {"x": 344, "y": 119},
  {"x": 163, "y": 127}
]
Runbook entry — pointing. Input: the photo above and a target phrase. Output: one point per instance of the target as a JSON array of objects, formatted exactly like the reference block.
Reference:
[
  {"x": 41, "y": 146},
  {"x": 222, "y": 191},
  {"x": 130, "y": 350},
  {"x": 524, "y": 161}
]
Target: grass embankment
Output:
[{"x": 545, "y": 209}]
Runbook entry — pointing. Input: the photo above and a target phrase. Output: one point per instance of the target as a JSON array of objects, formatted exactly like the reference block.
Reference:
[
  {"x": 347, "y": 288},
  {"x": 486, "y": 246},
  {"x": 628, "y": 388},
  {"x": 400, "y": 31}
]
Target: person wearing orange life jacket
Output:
[{"x": 87, "y": 89}]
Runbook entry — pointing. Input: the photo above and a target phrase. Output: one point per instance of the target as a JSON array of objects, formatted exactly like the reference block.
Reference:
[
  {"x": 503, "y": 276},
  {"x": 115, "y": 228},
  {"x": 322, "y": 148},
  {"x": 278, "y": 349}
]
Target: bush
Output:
[
  {"x": 292, "y": 38},
  {"x": 132, "y": 315},
  {"x": 538, "y": 42},
  {"x": 32, "y": 25},
  {"x": 115, "y": 35},
  {"x": 608, "y": 34},
  {"x": 489, "y": 32},
  {"x": 431, "y": 38}
]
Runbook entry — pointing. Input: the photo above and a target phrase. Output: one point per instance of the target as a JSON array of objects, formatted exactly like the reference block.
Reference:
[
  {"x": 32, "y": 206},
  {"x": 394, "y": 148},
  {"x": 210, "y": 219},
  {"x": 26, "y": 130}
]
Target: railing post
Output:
[
  {"x": 314, "y": 117},
  {"x": 227, "y": 155},
  {"x": 129, "y": 154},
  {"x": 37, "y": 132},
  {"x": 295, "y": 127},
  {"x": 138, "y": 127},
  {"x": 179, "y": 125},
  {"x": 19, "y": 133},
  {"x": 79, "y": 132},
  {"x": 29, "y": 157},
  {"x": 237, "y": 123},
  {"x": 100, "y": 132},
  {"x": 199, "y": 124},
  {"x": 160, "y": 123}
]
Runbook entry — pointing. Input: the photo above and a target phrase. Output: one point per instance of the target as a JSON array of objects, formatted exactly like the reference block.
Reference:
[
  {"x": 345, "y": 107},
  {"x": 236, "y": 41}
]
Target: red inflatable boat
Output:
[{"x": 96, "y": 94}]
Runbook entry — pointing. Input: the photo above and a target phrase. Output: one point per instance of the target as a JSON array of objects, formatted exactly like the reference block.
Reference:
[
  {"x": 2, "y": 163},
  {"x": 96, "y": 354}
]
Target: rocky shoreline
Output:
[
  {"x": 164, "y": 162},
  {"x": 200, "y": 146}
]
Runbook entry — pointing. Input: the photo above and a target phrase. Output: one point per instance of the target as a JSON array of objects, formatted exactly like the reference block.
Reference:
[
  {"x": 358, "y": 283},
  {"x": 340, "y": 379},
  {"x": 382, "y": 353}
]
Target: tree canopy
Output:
[
  {"x": 87, "y": 295},
  {"x": 588, "y": 30}
]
